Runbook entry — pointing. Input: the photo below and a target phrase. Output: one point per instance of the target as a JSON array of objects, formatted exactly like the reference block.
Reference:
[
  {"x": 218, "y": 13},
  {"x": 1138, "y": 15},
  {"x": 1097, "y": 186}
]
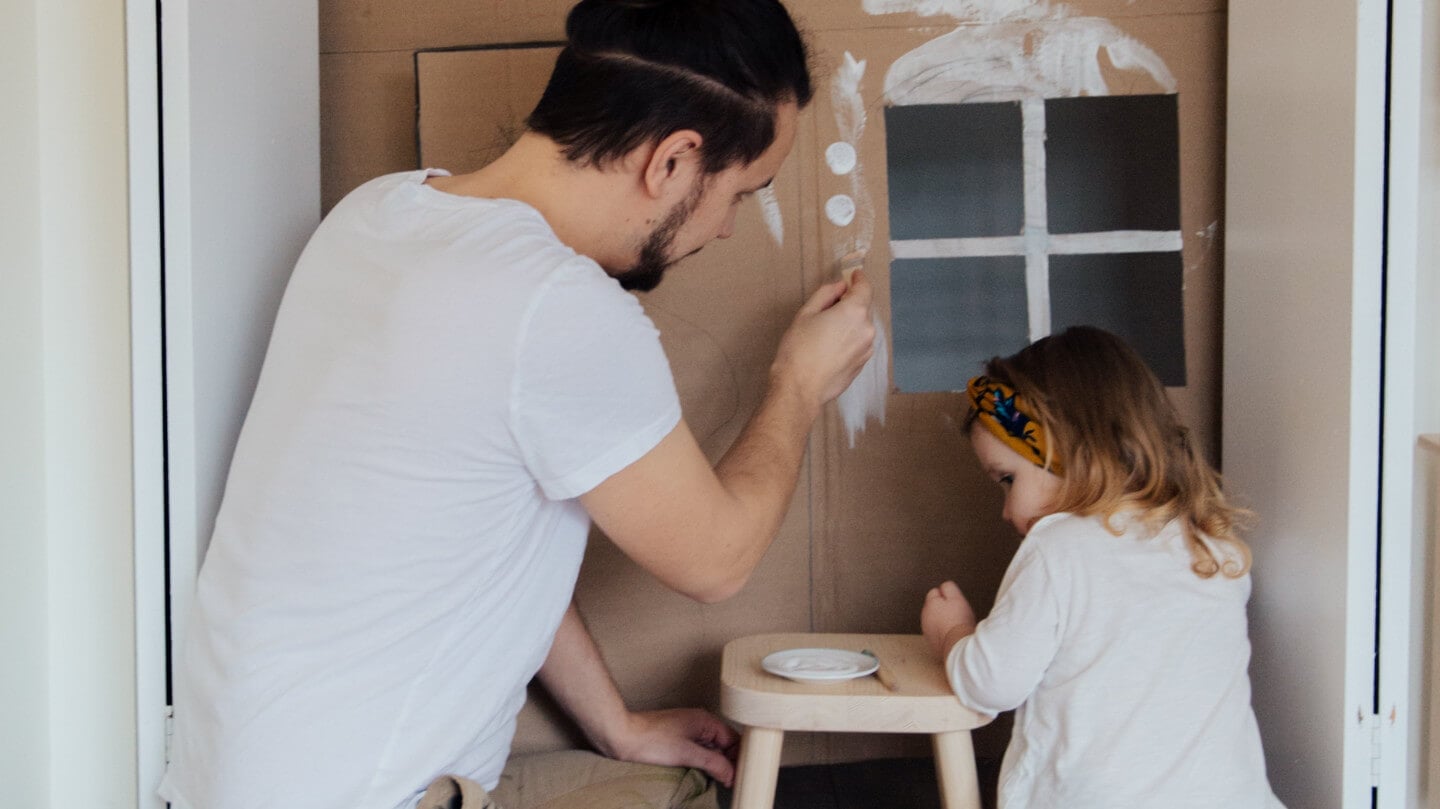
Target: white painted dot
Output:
[
  {"x": 840, "y": 157},
  {"x": 840, "y": 209}
]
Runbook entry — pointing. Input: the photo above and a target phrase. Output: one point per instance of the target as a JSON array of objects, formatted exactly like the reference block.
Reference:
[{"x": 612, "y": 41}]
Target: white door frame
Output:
[
  {"x": 147, "y": 397},
  {"x": 224, "y": 161},
  {"x": 1409, "y": 365}
]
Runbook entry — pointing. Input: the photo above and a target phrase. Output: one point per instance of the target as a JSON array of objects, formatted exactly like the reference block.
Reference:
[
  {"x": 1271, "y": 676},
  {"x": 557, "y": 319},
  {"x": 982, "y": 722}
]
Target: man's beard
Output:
[{"x": 655, "y": 258}]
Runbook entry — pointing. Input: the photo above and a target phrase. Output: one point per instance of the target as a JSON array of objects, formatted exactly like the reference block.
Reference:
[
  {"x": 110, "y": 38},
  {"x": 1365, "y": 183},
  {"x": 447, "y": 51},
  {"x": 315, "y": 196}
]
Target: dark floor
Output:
[{"x": 893, "y": 783}]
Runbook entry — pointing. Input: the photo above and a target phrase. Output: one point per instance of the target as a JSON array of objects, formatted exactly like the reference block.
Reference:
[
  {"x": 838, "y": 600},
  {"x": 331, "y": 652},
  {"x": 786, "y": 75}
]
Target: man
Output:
[{"x": 456, "y": 385}]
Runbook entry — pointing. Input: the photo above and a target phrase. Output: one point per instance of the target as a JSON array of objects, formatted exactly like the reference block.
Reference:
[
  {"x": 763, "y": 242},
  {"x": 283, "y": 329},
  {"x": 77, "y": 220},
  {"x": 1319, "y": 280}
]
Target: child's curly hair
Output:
[{"x": 1121, "y": 443}]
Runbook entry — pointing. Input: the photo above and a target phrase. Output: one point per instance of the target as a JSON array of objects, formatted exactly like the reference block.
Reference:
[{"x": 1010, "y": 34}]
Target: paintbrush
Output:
[
  {"x": 882, "y": 673},
  {"x": 851, "y": 262}
]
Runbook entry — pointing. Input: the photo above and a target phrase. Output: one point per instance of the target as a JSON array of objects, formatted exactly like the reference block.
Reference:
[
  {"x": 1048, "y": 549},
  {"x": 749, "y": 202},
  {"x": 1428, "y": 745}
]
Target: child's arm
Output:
[
  {"x": 996, "y": 664},
  {"x": 946, "y": 618}
]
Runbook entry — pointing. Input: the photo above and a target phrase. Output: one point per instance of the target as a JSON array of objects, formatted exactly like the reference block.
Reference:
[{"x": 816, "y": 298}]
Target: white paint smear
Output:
[
  {"x": 849, "y": 106},
  {"x": 1056, "y": 244},
  {"x": 840, "y": 157},
  {"x": 1037, "y": 218},
  {"x": 978, "y": 10},
  {"x": 971, "y": 247},
  {"x": 1116, "y": 241},
  {"x": 866, "y": 396},
  {"x": 845, "y": 94},
  {"x": 1057, "y": 58},
  {"x": 840, "y": 210},
  {"x": 770, "y": 209}
]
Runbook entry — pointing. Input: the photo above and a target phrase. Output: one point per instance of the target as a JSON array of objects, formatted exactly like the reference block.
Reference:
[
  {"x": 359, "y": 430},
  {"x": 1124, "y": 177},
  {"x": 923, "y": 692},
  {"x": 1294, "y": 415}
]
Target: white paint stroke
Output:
[
  {"x": 1207, "y": 236},
  {"x": 867, "y": 395},
  {"x": 1036, "y": 230},
  {"x": 840, "y": 210},
  {"x": 978, "y": 10},
  {"x": 850, "y": 120},
  {"x": 1116, "y": 241},
  {"x": 971, "y": 247},
  {"x": 770, "y": 210},
  {"x": 1057, "y": 58},
  {"x": 1058, "y": 244},
  {"x": 840, "y": 157}
]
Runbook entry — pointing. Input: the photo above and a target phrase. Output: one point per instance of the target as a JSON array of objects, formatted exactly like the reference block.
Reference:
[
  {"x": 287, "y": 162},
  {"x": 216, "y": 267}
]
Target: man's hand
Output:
[
  {"x": 831, "y": 338},
  {"x": 946, "y": 618},
  {"x": 679, "y": 737},
  {"x": 576, "y": 676}
]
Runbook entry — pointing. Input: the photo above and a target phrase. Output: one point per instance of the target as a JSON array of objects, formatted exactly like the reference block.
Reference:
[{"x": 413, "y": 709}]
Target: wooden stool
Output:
[{"x": 768, "y": 706}]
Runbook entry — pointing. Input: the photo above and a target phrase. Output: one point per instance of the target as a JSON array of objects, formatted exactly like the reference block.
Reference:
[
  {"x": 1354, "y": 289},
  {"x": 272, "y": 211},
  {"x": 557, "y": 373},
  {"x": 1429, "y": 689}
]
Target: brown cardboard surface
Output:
[
  {"x": 387, "y": 25},
  {"x": 473, "y": 102},
  {"x": 871, "y": 528},
  {"x": 913, "y": 478},
  {"x": 367, "y": 119}
]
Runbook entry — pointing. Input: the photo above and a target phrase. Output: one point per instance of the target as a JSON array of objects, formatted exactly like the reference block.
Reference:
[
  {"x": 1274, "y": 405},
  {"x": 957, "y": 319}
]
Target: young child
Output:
[{"x": 1119, "y": 630}]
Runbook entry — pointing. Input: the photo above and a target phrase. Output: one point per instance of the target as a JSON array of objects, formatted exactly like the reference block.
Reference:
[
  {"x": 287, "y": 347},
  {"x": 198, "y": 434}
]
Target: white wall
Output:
[
  {"x": 65, "y": 513},
  {"x": 24, "y": 737}
]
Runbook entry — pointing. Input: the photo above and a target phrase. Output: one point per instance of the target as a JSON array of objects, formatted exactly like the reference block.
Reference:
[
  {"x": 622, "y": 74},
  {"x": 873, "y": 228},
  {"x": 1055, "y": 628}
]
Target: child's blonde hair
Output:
[{"x": 1120, "y": 442}]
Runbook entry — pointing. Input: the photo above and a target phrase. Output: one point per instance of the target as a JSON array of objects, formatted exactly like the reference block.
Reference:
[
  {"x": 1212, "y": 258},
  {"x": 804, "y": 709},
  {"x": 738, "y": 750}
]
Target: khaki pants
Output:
[{"x": 576, "y": 779}]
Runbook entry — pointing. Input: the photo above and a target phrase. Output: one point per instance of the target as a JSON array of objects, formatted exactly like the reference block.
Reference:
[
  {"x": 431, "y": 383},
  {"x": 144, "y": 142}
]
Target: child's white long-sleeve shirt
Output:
[{"x": 1129, "y": 672}]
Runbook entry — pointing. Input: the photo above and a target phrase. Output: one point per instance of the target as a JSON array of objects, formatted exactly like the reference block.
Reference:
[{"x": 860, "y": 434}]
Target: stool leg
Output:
[
  {"x": 955, "y": 767},
  {"x": 758, "y": 768}
]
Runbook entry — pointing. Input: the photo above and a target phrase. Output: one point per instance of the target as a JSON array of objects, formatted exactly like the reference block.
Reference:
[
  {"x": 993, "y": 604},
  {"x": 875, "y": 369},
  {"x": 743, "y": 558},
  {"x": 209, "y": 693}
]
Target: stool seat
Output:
[{"x": 768, "y": 705}]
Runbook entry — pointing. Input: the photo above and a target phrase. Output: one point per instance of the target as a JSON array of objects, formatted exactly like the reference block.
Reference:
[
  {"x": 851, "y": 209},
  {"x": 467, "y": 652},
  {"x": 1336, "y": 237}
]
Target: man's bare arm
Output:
[
  {"x": 576, "y": 675},
  {"x": 702, "y": 530}
]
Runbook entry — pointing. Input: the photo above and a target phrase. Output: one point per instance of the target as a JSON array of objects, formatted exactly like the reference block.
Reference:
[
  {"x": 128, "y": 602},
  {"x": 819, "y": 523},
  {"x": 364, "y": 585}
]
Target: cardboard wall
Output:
[{"x": 871, "y": 527}]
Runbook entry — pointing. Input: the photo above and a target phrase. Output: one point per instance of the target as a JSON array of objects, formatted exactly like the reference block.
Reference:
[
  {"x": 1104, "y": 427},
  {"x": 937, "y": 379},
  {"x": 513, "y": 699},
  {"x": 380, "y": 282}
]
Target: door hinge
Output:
[{"x": 169, "y": 731}]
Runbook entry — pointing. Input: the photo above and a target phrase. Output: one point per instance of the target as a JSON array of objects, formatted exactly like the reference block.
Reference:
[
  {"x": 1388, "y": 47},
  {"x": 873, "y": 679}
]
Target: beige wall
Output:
[
  {"x": 1302, "y": 347},
  {"x": 67, "y": 688}
]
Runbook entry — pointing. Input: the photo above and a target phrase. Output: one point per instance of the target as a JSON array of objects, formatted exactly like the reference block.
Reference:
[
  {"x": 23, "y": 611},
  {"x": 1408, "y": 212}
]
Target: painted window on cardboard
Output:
[{"x": 1012, "y": 220}]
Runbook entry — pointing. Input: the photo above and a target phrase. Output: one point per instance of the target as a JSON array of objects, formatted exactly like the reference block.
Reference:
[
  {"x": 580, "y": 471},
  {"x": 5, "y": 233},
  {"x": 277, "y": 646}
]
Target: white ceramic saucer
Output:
[{"x": 808, "y": 665}]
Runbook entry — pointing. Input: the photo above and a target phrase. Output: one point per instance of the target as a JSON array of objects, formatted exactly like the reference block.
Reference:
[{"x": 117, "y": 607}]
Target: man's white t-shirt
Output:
[
  {"x": 399, "y": 535},
  {"x": 1130, "y": 674}
]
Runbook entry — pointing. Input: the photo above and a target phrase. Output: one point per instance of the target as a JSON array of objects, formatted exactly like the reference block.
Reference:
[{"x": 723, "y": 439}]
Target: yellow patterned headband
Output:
[{"x": 1004, "y": 414}]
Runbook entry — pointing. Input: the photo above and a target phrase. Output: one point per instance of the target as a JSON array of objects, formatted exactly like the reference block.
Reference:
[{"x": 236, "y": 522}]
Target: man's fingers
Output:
[
  {"x": 824, "y": 297},
  {"x": 712, "y": 762},
  {"x": 859, "y": 288}
]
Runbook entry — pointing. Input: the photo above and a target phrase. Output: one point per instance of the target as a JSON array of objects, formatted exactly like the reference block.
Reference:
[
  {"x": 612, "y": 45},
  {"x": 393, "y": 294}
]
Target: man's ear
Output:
[{"x": 676, "y": 158}]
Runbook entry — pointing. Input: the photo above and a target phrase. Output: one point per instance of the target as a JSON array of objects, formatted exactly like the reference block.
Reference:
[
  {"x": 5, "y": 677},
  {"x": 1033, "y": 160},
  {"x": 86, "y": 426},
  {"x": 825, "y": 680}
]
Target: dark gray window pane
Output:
[
  {"x": 949, "y": 315},
  {"x": 1112, "y": 163},
  {"x": 955, "y": 170},
  {"x": 1138, "y": 296}
]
